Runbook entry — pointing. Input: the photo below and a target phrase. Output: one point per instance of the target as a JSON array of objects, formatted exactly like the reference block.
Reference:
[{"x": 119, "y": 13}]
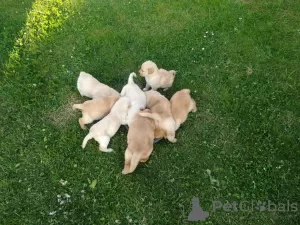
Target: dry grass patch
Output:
[{"x": 61, "y": 116}]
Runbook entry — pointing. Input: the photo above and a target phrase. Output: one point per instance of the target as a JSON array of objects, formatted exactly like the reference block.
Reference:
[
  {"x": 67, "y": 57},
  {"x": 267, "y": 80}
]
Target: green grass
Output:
[{"x": 239, "y": 58}]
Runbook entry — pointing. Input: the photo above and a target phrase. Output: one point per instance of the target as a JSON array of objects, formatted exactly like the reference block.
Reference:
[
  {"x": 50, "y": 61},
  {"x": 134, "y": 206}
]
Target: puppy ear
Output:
[{"x": 150, "y": 70}]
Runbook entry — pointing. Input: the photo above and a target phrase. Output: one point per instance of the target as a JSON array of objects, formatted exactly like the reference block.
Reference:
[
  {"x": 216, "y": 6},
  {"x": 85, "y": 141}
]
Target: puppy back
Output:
[{"x": 141, "y": 133}]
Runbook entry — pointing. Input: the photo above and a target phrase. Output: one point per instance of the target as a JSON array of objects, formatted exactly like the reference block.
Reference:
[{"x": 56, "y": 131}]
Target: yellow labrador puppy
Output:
[
  {"x": 181, "y": 105},
  {"x": 140, "y": 142},
  {"x": 95, "y": 109},
  {"x": 156, "y": 78},
  {"x": 109, "y": 125},
  {"x": 161, "y": 113},
  {"x": 90, "y": 87}
]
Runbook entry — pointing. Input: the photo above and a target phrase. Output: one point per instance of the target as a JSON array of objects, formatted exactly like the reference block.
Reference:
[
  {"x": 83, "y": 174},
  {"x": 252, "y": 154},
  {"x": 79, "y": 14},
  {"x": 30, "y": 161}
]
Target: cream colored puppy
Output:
[
  {"x": 161, "y": 112},
  {"x": 137, "y": 98},
  {"x": 181, "y": 105},
  {"x": 109, "y": 125},
  {"x": 156, "y": 78},
  {"x": 95, "y": 109},
  {"x": 90, "y": 87},
  {"x": 140, "y": 142}
]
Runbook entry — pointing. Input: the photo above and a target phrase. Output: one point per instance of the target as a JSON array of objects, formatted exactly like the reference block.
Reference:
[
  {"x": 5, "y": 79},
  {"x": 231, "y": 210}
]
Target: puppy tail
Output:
[
  {"x": 134, "y": 161},
  {"x": 77, "y": 106},
  {"x": 86, "y": 139},
  {"x": 130, "y": 78}
]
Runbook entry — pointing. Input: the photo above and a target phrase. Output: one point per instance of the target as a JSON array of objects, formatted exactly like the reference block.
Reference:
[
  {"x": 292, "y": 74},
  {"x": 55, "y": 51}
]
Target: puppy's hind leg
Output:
[
  {"x": 77, "y": 106},
  {"x": 147, "y": 87},
  {"x": 144, "y": 160},
  {"x": 104, "y": 141},
  {"x": 84, "y": 120},
  {"x": 81, "y": 123},
  {"x": 128, "y": 156}
]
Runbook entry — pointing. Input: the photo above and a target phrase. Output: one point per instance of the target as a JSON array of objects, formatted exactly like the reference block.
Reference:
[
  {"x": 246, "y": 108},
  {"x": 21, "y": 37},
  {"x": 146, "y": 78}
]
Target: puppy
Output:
[
  {"x": 140, "y": 142},
  {"x": 109, "y": 125},
  {"x": 161, "y": 112},
  {"x": 95, "y": 109},
  {"x": 156, "y": 78},
  {"x": 88, "y": 86},
  {"x": 136, "y": 96},
  {"x": 181, "y": 105}
]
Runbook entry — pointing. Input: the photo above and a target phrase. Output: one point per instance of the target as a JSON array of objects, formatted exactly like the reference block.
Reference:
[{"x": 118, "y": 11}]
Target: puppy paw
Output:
[
  {"x": 106, "y": 149},
  {"x": 165, "y": 89},
  {"x": 145, "y": 89},
  {"x": 82, "y": 124},
  {"x": 173, "y": 140},
  {"x": 124, "y": 172},
  {"x": 83, "y": 127},
  {"x": 109, "y": 150}
]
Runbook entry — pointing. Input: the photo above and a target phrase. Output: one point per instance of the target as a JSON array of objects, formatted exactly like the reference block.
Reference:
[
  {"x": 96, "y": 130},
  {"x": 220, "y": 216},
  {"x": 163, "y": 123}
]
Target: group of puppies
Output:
[{"x": 148, "y": 114}]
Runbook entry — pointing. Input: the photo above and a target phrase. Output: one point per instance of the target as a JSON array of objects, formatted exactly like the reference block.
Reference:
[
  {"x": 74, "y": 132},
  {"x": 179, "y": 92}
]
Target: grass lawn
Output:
[{"x": 240, "y": 58}]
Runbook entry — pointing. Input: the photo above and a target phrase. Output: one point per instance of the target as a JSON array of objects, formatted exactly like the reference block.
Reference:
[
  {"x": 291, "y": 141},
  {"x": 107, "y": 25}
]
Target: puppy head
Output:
[{"x": 148, "y": 68}]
